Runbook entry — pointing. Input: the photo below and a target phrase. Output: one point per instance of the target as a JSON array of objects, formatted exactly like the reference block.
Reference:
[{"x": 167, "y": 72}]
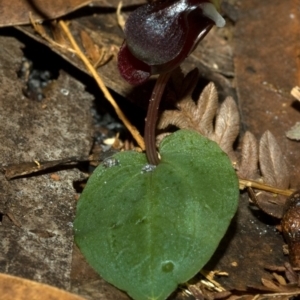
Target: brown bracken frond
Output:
[{"x": 200, "y": 116}]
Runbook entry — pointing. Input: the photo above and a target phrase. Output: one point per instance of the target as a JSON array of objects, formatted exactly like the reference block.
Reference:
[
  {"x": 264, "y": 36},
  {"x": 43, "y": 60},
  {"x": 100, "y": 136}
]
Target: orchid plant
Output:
[
  {"x": 158, "y": 37},
  {"x": 147, "y": 228}
]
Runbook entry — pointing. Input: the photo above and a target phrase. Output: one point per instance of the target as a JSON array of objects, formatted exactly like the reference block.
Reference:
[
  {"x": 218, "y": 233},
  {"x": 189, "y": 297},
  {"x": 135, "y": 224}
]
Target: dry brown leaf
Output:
[
  {"x": 227, "y": 127},
  {"x": 92, "y": 50},
  {"x": 278, "y": 284},
  {"x": 16, "y": 288},
  {"x": 248, "y": 167},
  {"x": 272, "y": 164},
  {"x": 16, "y": 12},
  {"x": 279, "y": 278},
  {"x": 274, "y": 173},
  {"x": 57, "y": 40},
  {"x": 183, "y": 117},
  {"x": 272, "y": 286},
  {"x": 200, "y": 116},
  {"x": 291, "y": 274},
  {"x": 196, "y": 292},
  {"x": 207, "y": 107},
  {"x": 98, "y": 56},
  {"x": 202, "y": 291}
]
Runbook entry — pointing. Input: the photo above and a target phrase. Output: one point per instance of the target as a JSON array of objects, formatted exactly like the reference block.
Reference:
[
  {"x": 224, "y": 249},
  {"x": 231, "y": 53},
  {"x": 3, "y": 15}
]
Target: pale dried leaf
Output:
[
  {"x": 207, "y": 108},
  {"x": 271, "y": 204},
  {"x": 188, "y": 109},
  {"x": 295, "y": 92},
  {"x": 280, "y": 279},
  {"x": 189, "y": 115},
  {"x": 274, "y": 173},
  {"x": 91, "y": 49},
  {"x": 183, "y": 117},
  {"x": 200, "y": 116},
  {"x": 294, "y": 132},
  {"x": 249, "y": 157},
  {"x": 270, "y": 285},
  {"x": 227, "y": 127},
  {"x": 173, "y": 117},
  {"x": 272, "y": 163}
]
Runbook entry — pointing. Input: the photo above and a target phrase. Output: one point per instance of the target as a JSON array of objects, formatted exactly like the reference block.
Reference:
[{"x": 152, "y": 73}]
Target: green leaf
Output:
[{"x": 146, "y": 229}]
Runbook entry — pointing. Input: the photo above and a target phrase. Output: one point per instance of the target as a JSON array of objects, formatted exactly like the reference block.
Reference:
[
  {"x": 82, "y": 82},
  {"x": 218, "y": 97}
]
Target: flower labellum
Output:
[{"x": 161, "y": 34}]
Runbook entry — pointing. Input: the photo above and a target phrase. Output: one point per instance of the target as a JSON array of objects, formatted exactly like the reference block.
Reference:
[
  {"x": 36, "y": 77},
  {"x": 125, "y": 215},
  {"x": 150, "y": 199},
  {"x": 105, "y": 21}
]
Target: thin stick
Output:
[
  {"x": 273, "y": 295},
  {"x": 132, "y": 129},
  {"x": 264, "y": 187},
  {"x": 151, "y": 118}
]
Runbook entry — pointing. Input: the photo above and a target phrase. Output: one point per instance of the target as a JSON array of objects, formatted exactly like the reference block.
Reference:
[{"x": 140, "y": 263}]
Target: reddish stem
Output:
[{"x": 151, "y": 118}]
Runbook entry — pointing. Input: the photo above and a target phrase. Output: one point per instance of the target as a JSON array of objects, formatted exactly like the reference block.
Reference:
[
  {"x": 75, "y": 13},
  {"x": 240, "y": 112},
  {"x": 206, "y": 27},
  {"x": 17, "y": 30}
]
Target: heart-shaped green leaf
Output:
[{"x": 146, "y": 229}]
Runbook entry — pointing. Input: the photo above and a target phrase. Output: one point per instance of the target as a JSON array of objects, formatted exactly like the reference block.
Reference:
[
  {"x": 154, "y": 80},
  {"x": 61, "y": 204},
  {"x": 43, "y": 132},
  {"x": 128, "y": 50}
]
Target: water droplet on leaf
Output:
[{"x": 167, "y": 266}]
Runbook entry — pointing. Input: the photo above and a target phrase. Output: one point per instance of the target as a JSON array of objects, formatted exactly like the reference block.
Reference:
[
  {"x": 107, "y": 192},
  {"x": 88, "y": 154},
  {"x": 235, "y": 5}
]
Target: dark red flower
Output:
[{"x": 160, "y": 35}]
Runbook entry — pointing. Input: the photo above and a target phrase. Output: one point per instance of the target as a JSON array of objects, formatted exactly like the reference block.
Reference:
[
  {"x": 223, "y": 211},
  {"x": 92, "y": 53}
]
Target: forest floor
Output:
[{"x": 53, "y": 117}]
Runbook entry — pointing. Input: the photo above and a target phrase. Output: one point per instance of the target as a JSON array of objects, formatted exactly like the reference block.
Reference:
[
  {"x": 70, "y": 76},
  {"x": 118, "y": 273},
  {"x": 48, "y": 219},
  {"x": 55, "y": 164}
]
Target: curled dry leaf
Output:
[
  {"x": 274, "y": 173},
  {"x": 200, "y": 116}
]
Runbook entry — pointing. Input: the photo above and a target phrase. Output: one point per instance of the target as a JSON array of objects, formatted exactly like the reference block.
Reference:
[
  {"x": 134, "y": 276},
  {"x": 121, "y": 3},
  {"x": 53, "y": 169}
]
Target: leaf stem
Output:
[{"x": 151, "y": 119}]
